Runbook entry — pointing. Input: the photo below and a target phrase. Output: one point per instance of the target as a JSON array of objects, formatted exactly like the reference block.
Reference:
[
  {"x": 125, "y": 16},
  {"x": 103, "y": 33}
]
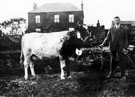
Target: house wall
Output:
[{"x": 47, "y": 21}]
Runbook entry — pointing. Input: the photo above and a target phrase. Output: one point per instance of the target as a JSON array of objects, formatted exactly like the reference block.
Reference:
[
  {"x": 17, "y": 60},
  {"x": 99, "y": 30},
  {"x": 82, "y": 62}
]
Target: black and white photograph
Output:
[{"x": 67, "y": 48}]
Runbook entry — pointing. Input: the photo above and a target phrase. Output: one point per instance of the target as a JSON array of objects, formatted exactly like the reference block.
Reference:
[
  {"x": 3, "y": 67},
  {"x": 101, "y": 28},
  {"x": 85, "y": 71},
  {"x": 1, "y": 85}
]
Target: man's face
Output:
[{"x": 117, "y": 21}]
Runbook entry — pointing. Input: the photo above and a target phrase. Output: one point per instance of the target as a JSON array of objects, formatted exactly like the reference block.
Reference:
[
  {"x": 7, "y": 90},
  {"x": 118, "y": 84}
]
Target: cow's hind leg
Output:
[
  {"x": 32, "y": 69},
  {"x": 26, "y": 64}
]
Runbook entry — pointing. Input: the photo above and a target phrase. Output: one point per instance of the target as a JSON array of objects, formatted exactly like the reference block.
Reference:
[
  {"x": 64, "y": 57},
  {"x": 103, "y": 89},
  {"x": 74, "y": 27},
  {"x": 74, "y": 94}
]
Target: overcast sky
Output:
[{"x": 102, "y": 10}]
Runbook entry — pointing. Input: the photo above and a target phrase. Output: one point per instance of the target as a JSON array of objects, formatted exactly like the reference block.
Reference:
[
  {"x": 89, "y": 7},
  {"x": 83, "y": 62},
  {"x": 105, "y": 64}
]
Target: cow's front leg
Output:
[
  {"x": 32, "y": 69},
  {"x": 68, "y": 68},
  {"x": 62, "y": 65}
]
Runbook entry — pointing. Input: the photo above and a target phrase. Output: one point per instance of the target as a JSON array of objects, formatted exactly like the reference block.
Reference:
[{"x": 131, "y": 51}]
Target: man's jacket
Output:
[{"x": 117, "y": 38}]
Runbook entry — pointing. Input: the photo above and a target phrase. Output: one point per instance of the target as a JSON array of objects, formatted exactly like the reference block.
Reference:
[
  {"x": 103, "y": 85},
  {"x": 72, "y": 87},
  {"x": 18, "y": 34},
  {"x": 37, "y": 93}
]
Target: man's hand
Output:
[
  {"x": 125, "y": 51},
  {"x": 101, "y": 45}
]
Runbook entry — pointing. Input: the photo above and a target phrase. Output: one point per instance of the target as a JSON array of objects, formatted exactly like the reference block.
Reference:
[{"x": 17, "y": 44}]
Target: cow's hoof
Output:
[
  {"x": 62, "y": 78},
  {"x": 26, "y": 78},
  {"x": 69, "y": 77},
  {"x": 33, "y": 77}
]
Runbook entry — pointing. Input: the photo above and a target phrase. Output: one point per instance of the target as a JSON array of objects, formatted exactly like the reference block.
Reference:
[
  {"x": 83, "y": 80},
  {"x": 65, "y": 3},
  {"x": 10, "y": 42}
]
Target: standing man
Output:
[{"x": 118, "y": 42}]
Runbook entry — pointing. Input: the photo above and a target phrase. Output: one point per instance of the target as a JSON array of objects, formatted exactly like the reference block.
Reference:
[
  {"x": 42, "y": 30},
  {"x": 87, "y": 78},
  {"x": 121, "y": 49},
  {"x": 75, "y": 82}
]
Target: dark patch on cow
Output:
[{"x": 69, "y": 46}]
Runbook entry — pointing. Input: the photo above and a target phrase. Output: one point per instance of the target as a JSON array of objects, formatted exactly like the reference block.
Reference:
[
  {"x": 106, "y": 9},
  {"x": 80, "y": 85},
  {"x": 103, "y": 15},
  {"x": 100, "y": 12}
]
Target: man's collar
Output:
[{"x": 117, "y": 26}]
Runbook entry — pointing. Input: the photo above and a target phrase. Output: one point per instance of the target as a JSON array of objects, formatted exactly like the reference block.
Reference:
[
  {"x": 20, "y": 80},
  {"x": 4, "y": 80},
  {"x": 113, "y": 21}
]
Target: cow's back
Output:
[{"x": 43, "y": 44}]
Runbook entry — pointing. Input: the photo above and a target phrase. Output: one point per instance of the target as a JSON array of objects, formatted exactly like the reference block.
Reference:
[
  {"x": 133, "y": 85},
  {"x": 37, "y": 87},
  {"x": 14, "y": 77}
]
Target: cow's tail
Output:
[
  {"x": 21, "y": 58},
  {"x": 22, "y": 55}
]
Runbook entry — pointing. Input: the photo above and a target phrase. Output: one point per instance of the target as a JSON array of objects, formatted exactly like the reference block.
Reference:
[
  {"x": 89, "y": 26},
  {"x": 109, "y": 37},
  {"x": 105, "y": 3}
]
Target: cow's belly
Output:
[{"x": 43, "y": 54}]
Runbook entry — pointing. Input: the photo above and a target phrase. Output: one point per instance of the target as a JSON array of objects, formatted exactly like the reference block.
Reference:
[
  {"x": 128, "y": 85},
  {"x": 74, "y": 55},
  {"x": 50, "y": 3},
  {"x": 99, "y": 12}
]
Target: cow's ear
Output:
[{"x": 78, "y": 24}]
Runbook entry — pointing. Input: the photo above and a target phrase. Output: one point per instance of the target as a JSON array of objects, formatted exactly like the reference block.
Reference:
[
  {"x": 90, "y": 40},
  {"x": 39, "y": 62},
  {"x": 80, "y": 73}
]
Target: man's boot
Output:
[{"x": 111, "y": 72}]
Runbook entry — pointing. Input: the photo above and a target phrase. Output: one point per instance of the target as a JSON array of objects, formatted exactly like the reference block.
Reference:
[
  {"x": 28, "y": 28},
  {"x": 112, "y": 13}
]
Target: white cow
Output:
[{"x": 48, "y": 45}]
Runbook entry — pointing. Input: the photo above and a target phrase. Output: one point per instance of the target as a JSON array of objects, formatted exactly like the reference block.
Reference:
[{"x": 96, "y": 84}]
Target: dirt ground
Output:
[
  {"x": 82, "y": 84},
  {"x": 87, "y": 81}
]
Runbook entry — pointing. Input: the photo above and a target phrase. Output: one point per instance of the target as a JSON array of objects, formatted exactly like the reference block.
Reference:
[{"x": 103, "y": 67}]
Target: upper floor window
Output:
[
  {"x": 37, "y": 18},
  {"x": 71, "y": 18},
  {"x": 56, "y": 18}
]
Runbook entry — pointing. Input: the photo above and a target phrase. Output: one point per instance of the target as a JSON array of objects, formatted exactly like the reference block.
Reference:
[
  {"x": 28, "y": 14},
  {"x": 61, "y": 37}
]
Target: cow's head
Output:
[
  {"x": 81, "y": 32},
  {"x": 75, "y": 41}
]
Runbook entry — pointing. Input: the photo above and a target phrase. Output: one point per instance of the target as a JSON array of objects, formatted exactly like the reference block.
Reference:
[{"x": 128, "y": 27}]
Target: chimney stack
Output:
[
  {"x": 34, "y": 6},
  {"x": 82, "y": 5}
]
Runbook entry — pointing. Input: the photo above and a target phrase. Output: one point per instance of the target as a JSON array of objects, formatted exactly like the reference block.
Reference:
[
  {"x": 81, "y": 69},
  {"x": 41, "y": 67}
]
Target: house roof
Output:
[
  {"x": 55, "y": 7},
  {"x": 128, "y": 22}
]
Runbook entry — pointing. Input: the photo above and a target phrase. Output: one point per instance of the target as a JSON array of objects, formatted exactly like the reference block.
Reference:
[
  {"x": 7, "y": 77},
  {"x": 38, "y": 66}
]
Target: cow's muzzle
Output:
[{"x": 78, "y": 52}]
